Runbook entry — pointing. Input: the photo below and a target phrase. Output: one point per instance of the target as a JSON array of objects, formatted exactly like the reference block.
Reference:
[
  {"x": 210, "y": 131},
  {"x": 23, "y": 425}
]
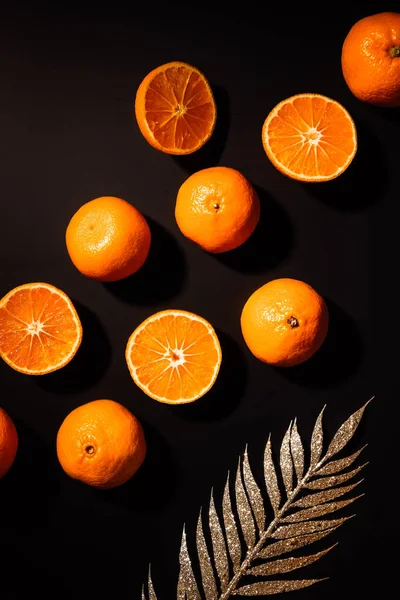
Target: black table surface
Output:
[{"x": 68, "y": 135}]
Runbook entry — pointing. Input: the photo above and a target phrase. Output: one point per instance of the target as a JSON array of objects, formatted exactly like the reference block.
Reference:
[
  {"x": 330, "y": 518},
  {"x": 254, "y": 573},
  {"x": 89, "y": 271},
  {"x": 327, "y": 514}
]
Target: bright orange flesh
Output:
[
  {"x": 174, "y": 356},
  {"x": 8, "y": 442},
  {"x": 284, "y": 322},
  {"x": 310, "y": 137},
  {"x": 175, "y": 108},
  {"x": 101, "y": 443},
  {"x": 40, "y": 330},
  {"x": 217, "y": 208}
]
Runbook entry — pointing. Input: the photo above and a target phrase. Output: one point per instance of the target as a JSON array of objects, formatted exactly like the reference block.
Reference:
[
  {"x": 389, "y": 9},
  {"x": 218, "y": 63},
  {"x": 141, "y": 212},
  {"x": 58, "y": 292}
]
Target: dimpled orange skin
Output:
[
  {"x": 371, "y": 59},
  {"x": 101, "y": 443},
  {"x": 108, "y": 239},
  {"x": 217, "y": 208},
  {"x": 284, "y": 322},
  {"x": 8, "y": 442}
]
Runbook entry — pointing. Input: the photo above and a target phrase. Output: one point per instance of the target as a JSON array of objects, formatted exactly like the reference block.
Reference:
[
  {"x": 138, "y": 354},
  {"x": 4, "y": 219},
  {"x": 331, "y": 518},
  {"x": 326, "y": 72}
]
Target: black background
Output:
[{"x": 68, "y": 79}]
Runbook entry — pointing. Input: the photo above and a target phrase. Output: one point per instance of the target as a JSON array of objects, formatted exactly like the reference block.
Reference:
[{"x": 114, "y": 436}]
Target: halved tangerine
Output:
[
  {"x": 310, "y": 137},
  {"x": 174, "y": 356},
  {"x": 175, "y": 108},
  {"x": 40, "y": 330}
]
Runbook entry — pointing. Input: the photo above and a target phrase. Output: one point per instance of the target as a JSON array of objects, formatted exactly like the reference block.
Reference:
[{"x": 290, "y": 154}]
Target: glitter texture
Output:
[
  {"x": 264, "y": 588},
  {"x": 345, "y": 433},
  {"x": 232, "y": 536},
  {"x": 218, "y": 545},
  {"x": 296, "y": 447},
  {"x": 325, "y": 496},
  {"x": 244, "y": 511},
  {"x": 327, "y": 482},
  {"x": 188, "y": 586},
  {"x": 253, "y": 491},
  {"x": 271, "y": 480},
  {"x": 317, "y": 511},
  {"x": 207, "y": 573},
  {"x": 286, "y": 461},
  {"x": 317, "y": 440},
  {"x": 285, "y": 546},
  {"x": 287, "y": 531},
  {"x": 339, "y": 465},
  {"x": 285, "y": 565},
  {"x": 152, "y": 594},
  {"x": 244, "y": 532}
]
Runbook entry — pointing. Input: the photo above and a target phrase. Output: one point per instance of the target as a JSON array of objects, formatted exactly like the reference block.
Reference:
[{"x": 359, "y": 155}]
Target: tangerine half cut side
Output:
[
  {"x": 40, "y": 330},
  {"x": 175, "y": 108},
  {"x": 174, "y": 356},
  {"x": 310, "y": 137}
]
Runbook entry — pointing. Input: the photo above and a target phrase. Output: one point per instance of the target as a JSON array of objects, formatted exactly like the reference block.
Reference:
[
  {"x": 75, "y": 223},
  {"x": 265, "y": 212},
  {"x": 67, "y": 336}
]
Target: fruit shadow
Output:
[
  {"x": 391, "y": 114},
  {"x": 228, "y": 389},
  {"x": 90, "y": 362},
  {"x": 29, "y": 488},
  {"x": 365, "y": 181},
  {"x": 339, "y": 357},
  {"x": 210, "y": 154},
  {"x": 152, "y": 486},
  {"x": 269, "y": 245},
  {"x": 160, "y": 278}
]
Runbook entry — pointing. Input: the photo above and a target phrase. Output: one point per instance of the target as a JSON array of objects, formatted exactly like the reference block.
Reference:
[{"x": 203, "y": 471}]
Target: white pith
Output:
[
  {"x": 307, "y": 138},
  {"x": 180, "y": 351}
]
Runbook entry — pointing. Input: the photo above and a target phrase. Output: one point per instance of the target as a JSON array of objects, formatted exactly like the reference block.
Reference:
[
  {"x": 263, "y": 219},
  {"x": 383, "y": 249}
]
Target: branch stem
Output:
[{"x": 253, "y": 552}]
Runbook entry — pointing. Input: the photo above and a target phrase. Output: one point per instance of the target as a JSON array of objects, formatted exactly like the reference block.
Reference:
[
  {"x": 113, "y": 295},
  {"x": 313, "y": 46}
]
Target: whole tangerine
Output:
[
  {"x": 101, "y": 443},
  {"x": 108, "y": 239},
  {"x": 284, "y": 322},
  {"x": 371, "y": 59},
  {"x": 217, "y": 208}
]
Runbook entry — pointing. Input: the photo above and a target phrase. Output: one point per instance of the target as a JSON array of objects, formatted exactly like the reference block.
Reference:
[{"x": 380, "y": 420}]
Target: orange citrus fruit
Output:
[
  {"x": 8, "y": 442},
  {"x": 101, "y": 443},
  {"x": 217, "y": 208},
  {"x": 284, "y": 322},
  {"x": 310, "y": 137},
  {"x": 108, "y": 239},
  {"x": 40, "y": 330},
  {"x": 174, "y": 356},
  {"x": 175, "y": 108},
  {"x": 371, "y": 59}
]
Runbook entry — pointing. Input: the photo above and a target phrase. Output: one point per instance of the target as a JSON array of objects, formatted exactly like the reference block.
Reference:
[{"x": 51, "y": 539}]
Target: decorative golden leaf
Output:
[
  {"x": 317, "y": 440},
  {"x": 188, "y": 582},
  {"x": 318, "y": 511},
  {"x": 267, "y": 588},
  {"x": 285, "y": 546},
  {"x": 339, "y": 465},
  {"x": 296, "y": 447},
  {"x": 325, "y": 496},
  {"x": 345, "y": 432},
  {"x": 232, "y": 536},
  {"x": 293, "y": 530},
  {"x": 254, "y": 494},
  {"x": 286, "y": 461},
  {"x": 271, "y": 480},
  {"x": 244, "y": 511},
  {"x": 286, "y": 531},
  {"x": 286, "y": 565},
  {"x": 219, "y": 547},
  {"x": 207, "y": 573},
  {"x": 323, "y": 483},
  {"x": 152, "y": 594}
]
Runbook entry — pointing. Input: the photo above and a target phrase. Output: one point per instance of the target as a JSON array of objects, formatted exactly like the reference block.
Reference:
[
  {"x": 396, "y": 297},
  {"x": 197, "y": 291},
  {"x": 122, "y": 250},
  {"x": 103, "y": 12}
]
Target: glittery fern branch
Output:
[{"x": 248, "y": 545}]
